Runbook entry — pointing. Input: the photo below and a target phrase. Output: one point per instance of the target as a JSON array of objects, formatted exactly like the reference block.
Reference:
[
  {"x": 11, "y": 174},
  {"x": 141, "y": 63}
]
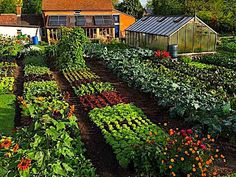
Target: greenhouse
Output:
[{"x": 158, "y": 32}]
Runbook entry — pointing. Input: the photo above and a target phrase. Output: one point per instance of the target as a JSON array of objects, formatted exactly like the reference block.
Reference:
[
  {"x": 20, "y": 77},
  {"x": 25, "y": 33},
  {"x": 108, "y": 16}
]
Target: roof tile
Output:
[{"x": 59, "y": 5}]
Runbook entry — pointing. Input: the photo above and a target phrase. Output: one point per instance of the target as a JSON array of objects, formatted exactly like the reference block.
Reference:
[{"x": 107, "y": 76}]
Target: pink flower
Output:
[
  {"x": 189, "y": 131},
  {"x": 203, "y": 146}
]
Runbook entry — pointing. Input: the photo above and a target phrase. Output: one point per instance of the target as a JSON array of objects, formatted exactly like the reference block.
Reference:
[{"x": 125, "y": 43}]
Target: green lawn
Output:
[{"x": 7, "y": 112}]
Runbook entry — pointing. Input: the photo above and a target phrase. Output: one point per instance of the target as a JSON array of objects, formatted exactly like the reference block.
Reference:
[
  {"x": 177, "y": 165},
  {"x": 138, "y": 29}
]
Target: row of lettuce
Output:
[
  {"x": 202, "y": 96},
  {"x": 49, "y": 144}
]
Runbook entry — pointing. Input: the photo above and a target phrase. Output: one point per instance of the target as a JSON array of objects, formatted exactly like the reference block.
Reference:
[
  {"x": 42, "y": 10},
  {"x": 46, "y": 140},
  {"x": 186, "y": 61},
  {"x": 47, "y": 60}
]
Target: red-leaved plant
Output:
[{"x": 162, "y": 54}]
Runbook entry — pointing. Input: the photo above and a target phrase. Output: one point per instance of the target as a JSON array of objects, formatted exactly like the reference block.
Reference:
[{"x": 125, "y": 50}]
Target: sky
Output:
[{"x": 143, "y": 2}]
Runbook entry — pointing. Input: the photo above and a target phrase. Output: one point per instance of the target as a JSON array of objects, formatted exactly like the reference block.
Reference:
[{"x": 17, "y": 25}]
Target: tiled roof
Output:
[
  {"x": 59, "y": 5},
  {"x": 25, "y": 20},
  {"x": 159, "y": 25}
]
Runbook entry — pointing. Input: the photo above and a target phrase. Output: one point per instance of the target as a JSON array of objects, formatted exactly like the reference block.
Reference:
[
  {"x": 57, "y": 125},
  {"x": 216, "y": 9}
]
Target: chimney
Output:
[{"x": 18, "y": 10}]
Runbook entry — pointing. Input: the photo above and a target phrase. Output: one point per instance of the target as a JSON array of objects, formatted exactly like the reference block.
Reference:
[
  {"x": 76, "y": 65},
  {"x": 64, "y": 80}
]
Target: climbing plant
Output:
[{"x": 69, "y": 49}]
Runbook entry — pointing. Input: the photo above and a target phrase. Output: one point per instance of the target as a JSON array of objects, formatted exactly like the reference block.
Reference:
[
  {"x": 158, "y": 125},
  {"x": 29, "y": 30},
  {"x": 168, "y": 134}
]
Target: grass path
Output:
[{"x": 7, "y": 112}]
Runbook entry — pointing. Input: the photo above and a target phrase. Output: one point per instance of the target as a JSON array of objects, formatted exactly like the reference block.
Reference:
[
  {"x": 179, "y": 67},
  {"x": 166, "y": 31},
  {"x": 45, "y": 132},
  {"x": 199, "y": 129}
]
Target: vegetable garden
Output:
[{"x": 62, "y": 99}]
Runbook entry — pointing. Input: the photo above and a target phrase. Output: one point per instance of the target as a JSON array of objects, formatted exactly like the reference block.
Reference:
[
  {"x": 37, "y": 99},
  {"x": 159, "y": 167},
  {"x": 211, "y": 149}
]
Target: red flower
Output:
[
  {"x": 188, "y": 138},
  {"x": 24, "y": 164},
  {"x": 189, "y": 131},
  {"x": 203, "y": 146}
]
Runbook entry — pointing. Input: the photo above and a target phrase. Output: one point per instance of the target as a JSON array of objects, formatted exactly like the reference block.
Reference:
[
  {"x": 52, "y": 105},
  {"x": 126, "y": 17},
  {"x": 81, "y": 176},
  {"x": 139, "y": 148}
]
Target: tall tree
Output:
[
  {"x": 131, "y": 7},
  {"x": 8, "y": 6},
  {"x": 168, "y": 7},
  {"x": 32, "y": 6}
]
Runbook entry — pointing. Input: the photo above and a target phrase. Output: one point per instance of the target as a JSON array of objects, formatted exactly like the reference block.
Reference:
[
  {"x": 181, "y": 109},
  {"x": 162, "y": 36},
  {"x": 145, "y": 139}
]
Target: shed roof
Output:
[
  {"x": 25, "y": 20},
  {"x": 159, "y": 25},
  {"x": 71, "y": 5}
]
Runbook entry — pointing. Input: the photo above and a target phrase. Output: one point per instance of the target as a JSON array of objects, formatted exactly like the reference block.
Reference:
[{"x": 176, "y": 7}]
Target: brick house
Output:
[
  {"x": 17, "y": 24},
  {"x": 98, "y": 18}
]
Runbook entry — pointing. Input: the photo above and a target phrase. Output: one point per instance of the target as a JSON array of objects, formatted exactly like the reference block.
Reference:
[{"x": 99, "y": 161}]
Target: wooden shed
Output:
[{"x": 158, "y": 32}]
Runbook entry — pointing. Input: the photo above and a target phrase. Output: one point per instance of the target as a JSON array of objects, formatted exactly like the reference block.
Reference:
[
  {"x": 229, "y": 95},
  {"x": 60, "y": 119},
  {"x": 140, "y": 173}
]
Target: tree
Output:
[
  {"x": 131, "y": 7},
  {"x": 168, "y": 7},
  {"x": 32, "y": 6},
  {"x": 8, "y": 6},
  {"x": 115, "y": 2}
]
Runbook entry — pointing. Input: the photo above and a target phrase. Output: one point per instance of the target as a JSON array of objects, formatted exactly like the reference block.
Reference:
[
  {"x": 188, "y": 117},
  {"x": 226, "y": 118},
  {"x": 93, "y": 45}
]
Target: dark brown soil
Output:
[
  {"x": 100, "y": 153},
  {"x": 18, "y": 91}
]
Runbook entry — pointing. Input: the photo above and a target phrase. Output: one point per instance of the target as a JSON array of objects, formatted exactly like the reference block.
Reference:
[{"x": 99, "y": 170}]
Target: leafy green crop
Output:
[{"x": 129, "y": 132}]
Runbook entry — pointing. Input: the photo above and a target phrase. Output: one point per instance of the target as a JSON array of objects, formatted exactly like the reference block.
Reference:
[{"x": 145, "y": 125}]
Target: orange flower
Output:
[
  {"x": 197, "y": 158},
  {"x": 150, "y": 133},
  {"x": 15, "y": 148},
  {"x": 208, "y": 162},
  {"x": 6, "y": 143},
  {"x": 182, "y": 159},
  {"x": 171, "y": 132},
  {"x": 24, "y": 164},
  {"x": 170, "y": 167},
  {"x": 173, "y": 174},
  {"x": 194, "y": 170}
]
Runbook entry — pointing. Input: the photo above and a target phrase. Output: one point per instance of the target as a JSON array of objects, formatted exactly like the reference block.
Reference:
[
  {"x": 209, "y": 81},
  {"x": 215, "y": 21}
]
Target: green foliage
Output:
[
  {"x": 36, "y": 70},
  {"x": 227, "y": 60},
  {"x": 9, "y": 47},
  {"x": 198, "y": 106},
  {"x": 129, "y": 132},
  {"x": 34, "y": 58},
  {"x": 186, "y": 59},
  {"x": 70, "y": 48},
  {"x": 131, "y": 7},
  {"x": 6, "y": 85},
  {"x": 92, "y": 88},
  {"x": 218, "y": 14},
  {"x": 169, "y": 7},
  {"x": 8, "y": 6},
  {"x": 52, "y": 141},
  {"x": 7, "y": 113},
  {"x": 32, "y": 6}
]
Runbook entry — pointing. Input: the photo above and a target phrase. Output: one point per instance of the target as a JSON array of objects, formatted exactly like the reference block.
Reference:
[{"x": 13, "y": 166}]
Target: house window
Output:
[
  {"x": 80, "y": 21},
  {"x": 116, "y": 18},
  {"x": 103, "y": 20},
  {"x": 57, "y": 21}
]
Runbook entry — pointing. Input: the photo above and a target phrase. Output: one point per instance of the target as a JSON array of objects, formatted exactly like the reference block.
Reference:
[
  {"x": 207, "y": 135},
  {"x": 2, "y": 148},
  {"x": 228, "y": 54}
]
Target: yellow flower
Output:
[
  {"x": 172, "y": 160},
  {"x": 194, "y": 169},
  {"x": 40, "y": 99},
  {"x": 182, "y": 159},
  {"x": 197, "y": 158}
]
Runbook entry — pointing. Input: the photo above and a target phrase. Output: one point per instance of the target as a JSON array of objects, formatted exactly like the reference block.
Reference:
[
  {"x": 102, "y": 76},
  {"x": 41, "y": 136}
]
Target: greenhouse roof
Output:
[{"x": 159, "y": 25}]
